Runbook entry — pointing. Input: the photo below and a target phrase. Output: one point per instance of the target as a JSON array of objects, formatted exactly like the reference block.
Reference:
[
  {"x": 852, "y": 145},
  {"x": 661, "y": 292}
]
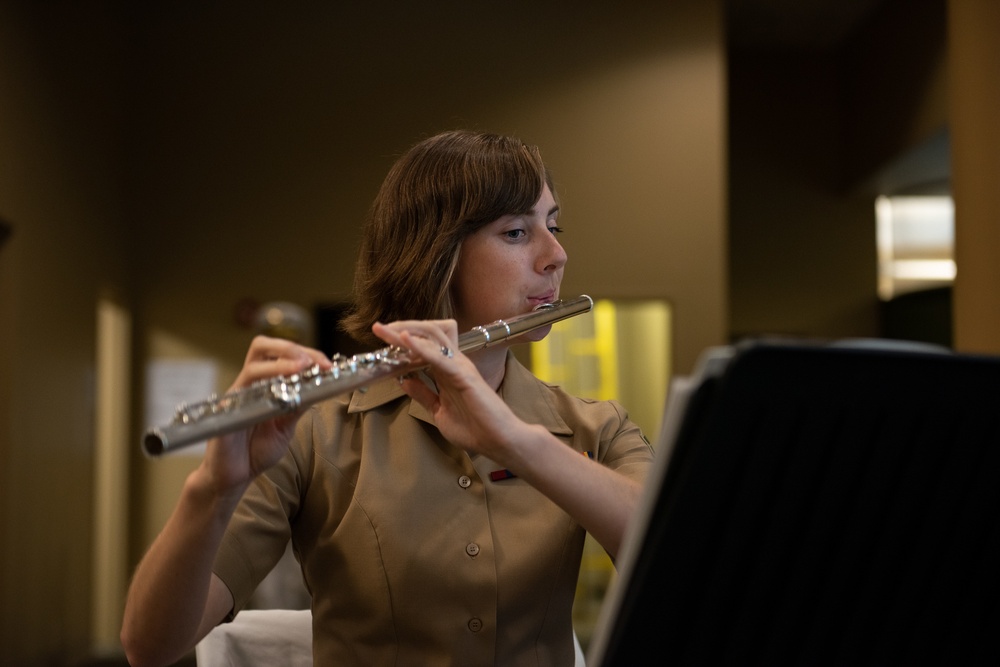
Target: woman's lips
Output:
[{"x": 545, "y": 298}]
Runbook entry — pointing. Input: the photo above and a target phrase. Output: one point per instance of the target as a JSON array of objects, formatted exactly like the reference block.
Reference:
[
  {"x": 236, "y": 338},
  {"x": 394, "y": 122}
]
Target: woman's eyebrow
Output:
[{"x": 552, "y": 211}]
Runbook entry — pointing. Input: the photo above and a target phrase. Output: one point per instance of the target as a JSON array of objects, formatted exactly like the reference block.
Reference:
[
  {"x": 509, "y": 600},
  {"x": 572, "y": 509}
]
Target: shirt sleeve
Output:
[
  {"x": 260, "y": 528},
  {"x": 622, "y": 446}
]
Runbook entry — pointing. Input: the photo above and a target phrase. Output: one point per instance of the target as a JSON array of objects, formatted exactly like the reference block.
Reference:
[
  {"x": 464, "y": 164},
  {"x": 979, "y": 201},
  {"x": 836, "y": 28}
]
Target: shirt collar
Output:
[
  {"x": 529, "y": 398},
  {"x": 525, "y": 394}
]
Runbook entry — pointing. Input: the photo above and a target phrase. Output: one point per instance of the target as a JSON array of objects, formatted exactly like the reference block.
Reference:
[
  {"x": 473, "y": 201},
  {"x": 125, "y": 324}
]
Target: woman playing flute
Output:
[{"x": 438, "y": 520}]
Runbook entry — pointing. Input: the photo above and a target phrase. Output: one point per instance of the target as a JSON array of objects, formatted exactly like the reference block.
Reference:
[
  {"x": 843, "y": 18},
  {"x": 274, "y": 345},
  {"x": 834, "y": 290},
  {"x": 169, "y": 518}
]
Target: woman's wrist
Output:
[
  {"x": 203, "y": 490},
  {"x": 523, "y": 444}
]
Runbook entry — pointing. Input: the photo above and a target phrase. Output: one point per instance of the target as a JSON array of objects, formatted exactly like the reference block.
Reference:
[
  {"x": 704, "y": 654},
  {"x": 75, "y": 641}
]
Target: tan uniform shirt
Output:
[{"x": 415, "y": 552}]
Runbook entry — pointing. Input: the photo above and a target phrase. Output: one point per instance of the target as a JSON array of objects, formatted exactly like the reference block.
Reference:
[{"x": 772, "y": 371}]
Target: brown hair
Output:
[{"x": 440, "y": 191}]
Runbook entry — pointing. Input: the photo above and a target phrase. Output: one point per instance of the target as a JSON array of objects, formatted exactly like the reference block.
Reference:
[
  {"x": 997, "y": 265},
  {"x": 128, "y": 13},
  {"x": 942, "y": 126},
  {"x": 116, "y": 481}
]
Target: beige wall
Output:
[
  {"x": 975, "y": 107},
  {"x": 59, "y": 190}
]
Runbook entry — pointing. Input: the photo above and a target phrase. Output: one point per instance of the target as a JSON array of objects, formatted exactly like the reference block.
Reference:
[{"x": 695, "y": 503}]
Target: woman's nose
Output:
[{"x": 554, "y": 256}]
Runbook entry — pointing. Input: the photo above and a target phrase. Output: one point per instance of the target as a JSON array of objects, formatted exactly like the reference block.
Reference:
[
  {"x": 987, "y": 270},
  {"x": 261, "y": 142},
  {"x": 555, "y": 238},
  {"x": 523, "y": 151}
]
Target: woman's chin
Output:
[{"x": 537, "y": 334}]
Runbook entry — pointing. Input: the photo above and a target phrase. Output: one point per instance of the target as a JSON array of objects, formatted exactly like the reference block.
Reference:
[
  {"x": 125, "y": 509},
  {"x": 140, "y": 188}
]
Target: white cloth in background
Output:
[
  {"x": 260, "y": 637},
  {"x": 271, "y": 638}
]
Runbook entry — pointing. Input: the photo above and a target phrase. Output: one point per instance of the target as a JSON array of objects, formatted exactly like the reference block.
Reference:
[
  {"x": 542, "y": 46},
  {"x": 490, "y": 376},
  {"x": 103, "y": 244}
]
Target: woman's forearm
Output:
[
  {"x": 598, "y": 498},
  {"x": 169, "y": 606}
]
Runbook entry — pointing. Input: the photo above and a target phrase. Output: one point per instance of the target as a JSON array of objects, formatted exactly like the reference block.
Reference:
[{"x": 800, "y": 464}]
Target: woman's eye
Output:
[
  {"x": 555, "y": 230},
  {"x": 514, "y": 233}
]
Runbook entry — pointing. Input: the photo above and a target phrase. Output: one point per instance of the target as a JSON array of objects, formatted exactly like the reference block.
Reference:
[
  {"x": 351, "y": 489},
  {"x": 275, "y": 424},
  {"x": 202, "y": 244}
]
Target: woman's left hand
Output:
[{"x": 467, "y": 411}]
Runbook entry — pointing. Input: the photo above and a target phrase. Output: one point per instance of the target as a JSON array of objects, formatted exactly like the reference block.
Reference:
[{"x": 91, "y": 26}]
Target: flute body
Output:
[{"x": 273, "y": 397}]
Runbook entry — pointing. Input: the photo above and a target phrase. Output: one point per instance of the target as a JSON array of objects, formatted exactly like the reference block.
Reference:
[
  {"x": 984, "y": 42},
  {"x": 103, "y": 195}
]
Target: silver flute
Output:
[{"x": 266, "y": 399}]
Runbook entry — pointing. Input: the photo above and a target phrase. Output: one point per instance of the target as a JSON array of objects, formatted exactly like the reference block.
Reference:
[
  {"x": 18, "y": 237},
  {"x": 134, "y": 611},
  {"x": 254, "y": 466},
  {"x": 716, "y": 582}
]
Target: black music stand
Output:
[{"x": 822, "y": 505}]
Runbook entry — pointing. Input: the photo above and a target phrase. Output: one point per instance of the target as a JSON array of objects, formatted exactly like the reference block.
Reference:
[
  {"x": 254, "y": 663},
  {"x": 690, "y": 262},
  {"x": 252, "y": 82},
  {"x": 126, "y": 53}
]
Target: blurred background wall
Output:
[{"x": 164, "y": 166}]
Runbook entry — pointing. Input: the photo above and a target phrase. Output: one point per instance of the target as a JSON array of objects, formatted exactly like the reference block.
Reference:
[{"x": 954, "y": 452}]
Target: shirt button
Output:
[
  {"x": 472, "y": 549},
  {"x": 464, "y": 481},
  {"x": 475, "y": 624}
]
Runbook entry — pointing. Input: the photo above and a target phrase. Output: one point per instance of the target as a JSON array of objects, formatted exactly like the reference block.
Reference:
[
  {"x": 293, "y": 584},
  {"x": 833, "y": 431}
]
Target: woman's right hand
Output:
[
  {"x": 174, "y": 580},
  {"x": 232, "y": 461}
]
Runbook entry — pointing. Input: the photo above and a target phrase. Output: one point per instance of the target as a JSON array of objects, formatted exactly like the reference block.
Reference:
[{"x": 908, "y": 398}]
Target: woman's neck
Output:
[{"x": 492, "y": 363}]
